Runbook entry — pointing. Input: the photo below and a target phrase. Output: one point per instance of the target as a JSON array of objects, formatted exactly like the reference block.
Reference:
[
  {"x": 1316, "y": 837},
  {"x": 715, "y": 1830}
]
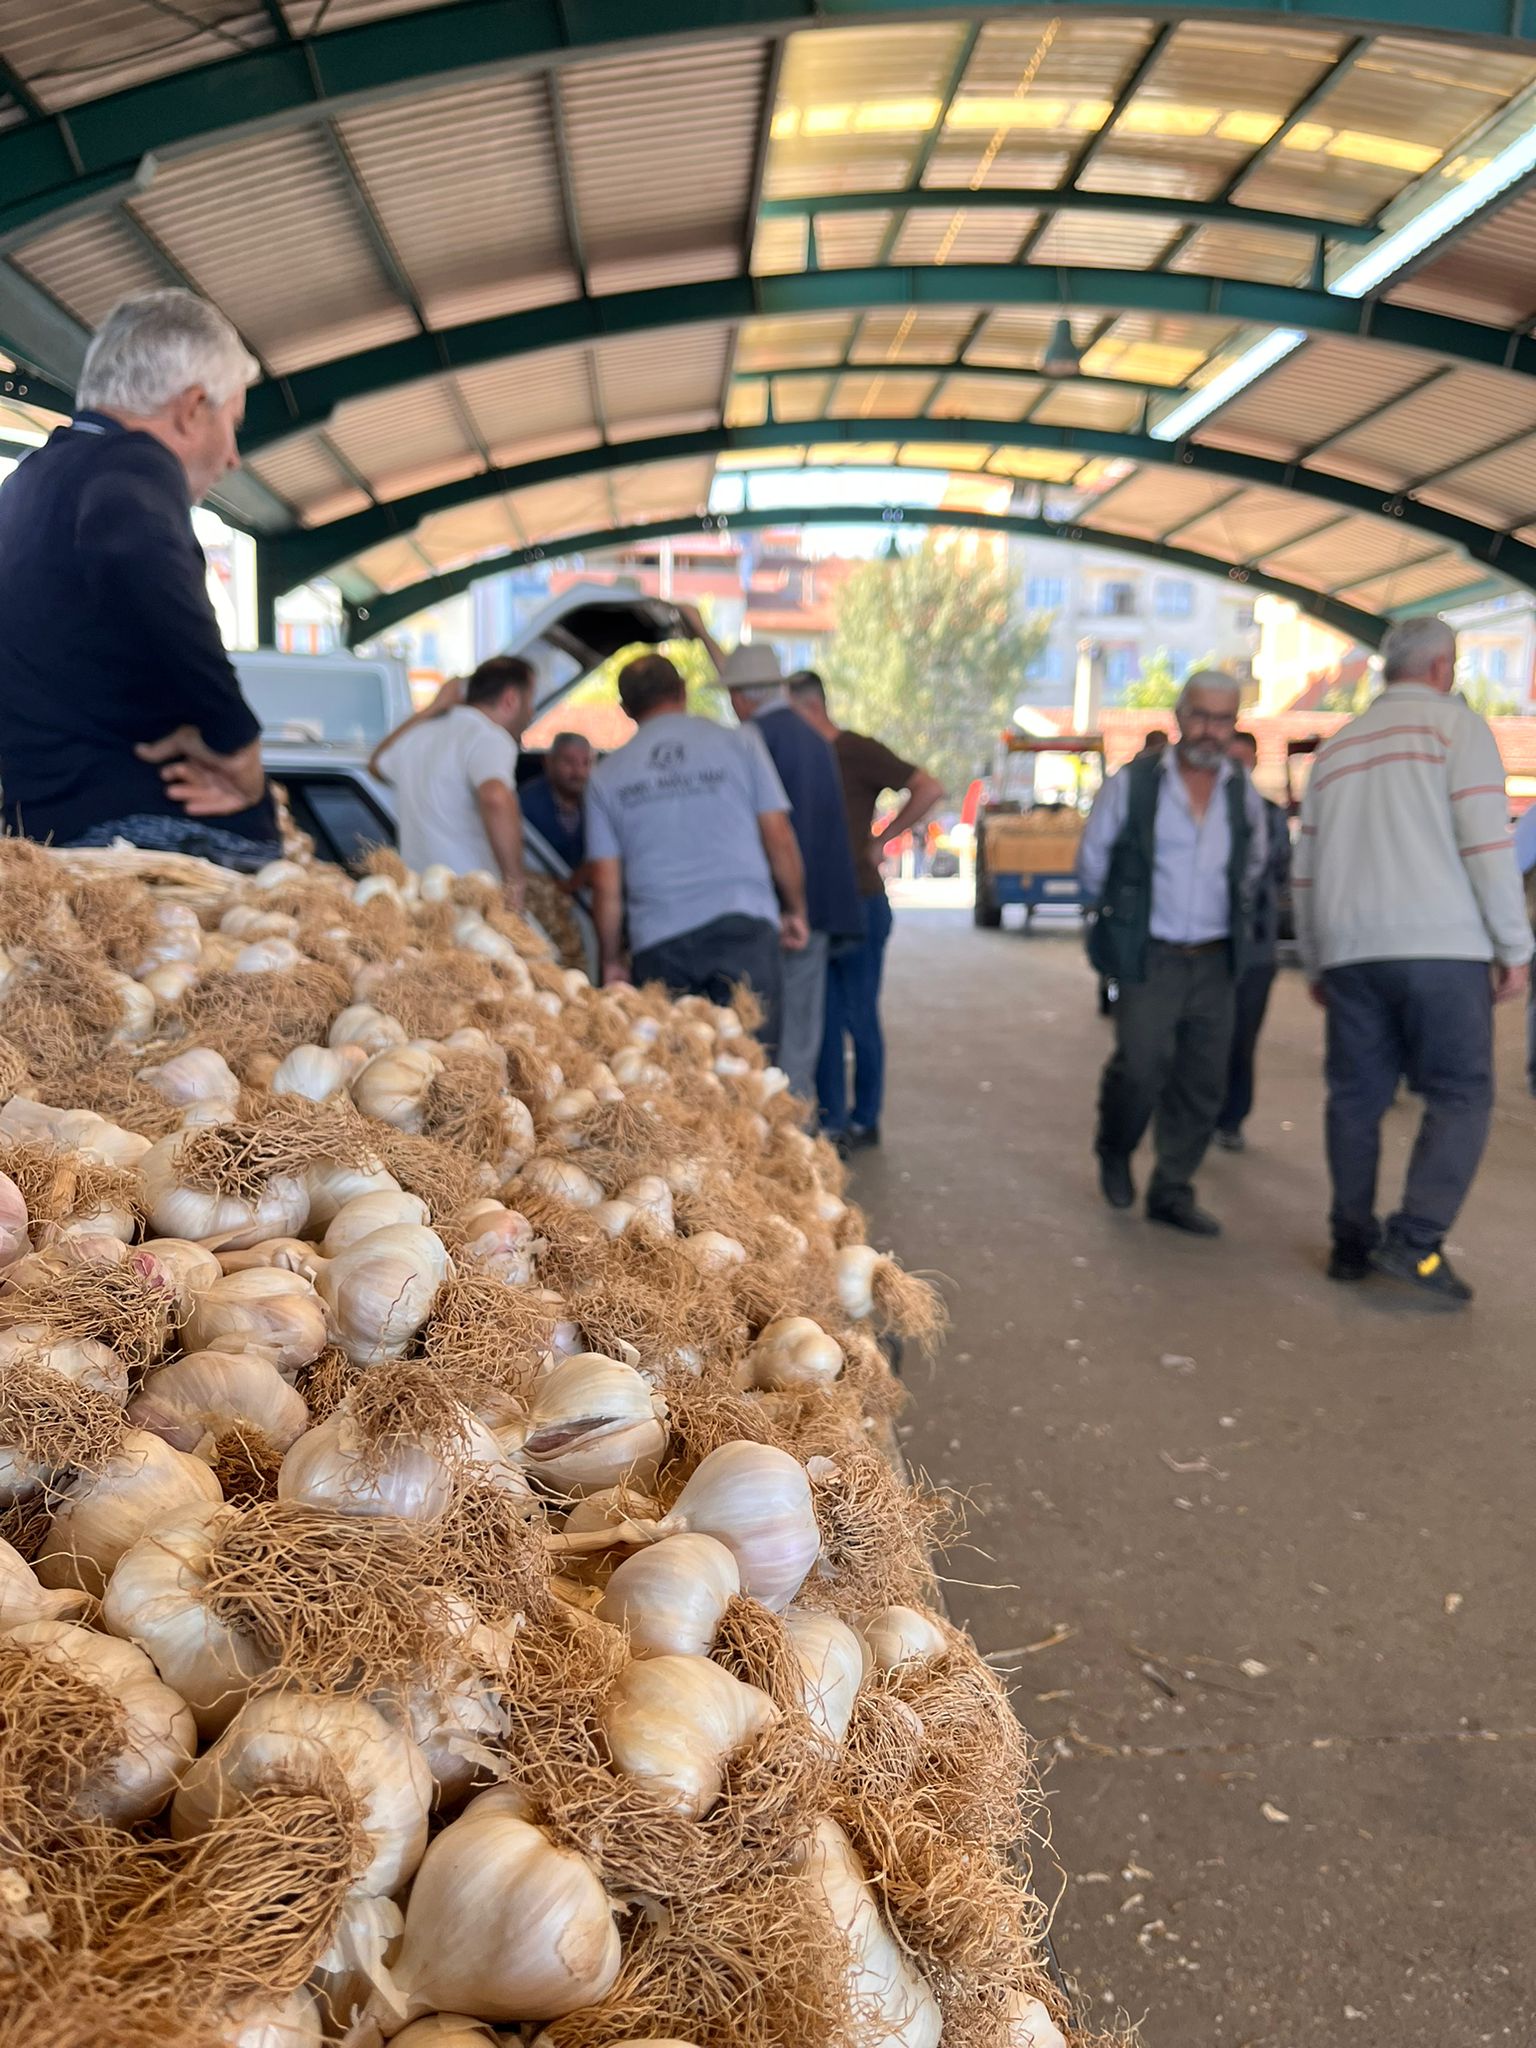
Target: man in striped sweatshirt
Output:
[{"x": 1411, "y": 923}]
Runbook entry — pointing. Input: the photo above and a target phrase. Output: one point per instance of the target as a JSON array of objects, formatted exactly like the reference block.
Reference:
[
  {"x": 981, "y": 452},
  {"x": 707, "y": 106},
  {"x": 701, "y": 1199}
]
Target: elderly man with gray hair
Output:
[
  {"x": 1411, "y": 924},
  {"x": 120, "y": 714},
  {"x": 1168, "y": 863}
]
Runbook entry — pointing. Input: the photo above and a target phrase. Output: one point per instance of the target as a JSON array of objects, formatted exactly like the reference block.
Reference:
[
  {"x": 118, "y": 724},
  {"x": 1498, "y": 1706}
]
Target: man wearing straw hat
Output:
[{"x": 120, "y": 713}]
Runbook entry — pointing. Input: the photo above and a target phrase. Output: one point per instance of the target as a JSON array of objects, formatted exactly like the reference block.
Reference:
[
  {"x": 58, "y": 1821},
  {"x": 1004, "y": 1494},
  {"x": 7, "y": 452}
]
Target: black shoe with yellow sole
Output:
[{"x": 1430, "y": 1273}]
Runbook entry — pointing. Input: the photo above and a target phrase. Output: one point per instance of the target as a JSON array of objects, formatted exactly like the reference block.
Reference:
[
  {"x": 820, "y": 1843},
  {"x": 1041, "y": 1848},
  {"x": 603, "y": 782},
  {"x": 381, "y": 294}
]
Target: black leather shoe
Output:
[
  {"x": 1232, "y": 1141},
  {"x": 1349, "y": 1263},
  {"x": 1115, "y": 1180},
  {"x": 1184, "y": 1216},
  {"x": 859, "y": 1137},
  {"x": 1430, "y": 1273}
]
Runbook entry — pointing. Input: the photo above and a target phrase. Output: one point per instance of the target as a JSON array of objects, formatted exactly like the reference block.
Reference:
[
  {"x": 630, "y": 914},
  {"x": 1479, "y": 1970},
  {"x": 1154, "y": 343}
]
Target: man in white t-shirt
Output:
[{"x": 454, "y": 769}]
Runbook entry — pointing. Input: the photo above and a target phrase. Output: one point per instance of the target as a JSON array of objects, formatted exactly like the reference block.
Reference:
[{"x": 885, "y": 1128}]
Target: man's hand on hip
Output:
[
  {"x": 206, "y": 784},
  {"x": 1318, "y": 993},
  {"x": 1509, "y": 983},
  {"x": 794, "y": 932}
]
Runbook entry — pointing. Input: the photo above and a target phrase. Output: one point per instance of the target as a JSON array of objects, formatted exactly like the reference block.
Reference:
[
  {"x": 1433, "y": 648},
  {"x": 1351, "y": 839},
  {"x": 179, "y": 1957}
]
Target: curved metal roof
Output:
[{"x": 522, "y": 273}]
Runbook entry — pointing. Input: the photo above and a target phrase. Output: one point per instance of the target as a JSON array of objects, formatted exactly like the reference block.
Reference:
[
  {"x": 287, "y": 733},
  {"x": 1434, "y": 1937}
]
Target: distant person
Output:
[
  {"x": 1258, "y": 976},
  {"x": 1169, "y": 861},
  {"x": 1155, "y": 741},
  {"x": 807, "y": 768},
  {"x": 688, "y": 836},
  {"x": 454, "y": 770},
  {"x": 1525, "y": 859},
  {"x": 1411, "y": 926},
  {"x": 121, "y": 716},
  {"x": 554, "y": 801},
  {"x": 868, "y": 768}
]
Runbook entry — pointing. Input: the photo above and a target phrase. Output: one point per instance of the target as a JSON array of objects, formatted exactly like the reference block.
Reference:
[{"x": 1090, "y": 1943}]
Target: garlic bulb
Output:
[
  {"x": 563, "y": 1181},
  {"x": 1027, "y": 2024},
  {"x": 653, "y": 1199},
  {"x": 571, "y": 1104},
  {"x": 901, "y": 1635},
  {"x": 206, "y": 1395},
  {"x": 614, "y": 1218},
  {"x": 834, "y": 1662},
  {"x": 756, "y": 1499},
  {"x": 791, "y": 1352},
  {"x": 857, "y": 1268},
  {"x": 364, "y": 1214},
  {"x": 158, "y": 1738},
  {"x": 454, "y": 1725},
  {"x": 519, "y": 1140},
  {"x": 178, "y": 940},
  {"x": 201, "y": 1075},
  {"x": 23, "y": 1599},
  {"x": 279, "y": 1254},
  {"x": 503, "y": 1924},
  {"x": 14, "y": 1242},
  {"x": 266, "y": 956},
  {"x": 313, "y": 1072},
  {"x": 80, "y": 1359},
  {"x": 136, "y": 1008},
  {"x": 712, "y": 1251},
  {"x": 176, "y": 1210},
  {"x": 352, "y": 1972},
  {"x": 170, "y": 983},
  {"x": 372, "y": 886},
  {"x": 676, "y": 1722},
  {"x": 156, "y": 1599},
  {"x": 144, "y": 1484},
  {"x": 436, "y": 881},
  {"x": 380, "y": 1290},
  {"x": 593, "y": 1421},
  {"x": 361, "y": 1024},
  {"x": 188, "y": 1267},
  {"x": 672, "y": 1597},
  {"x": 631, "y": 1069},
  {"x": 265, "y": 1309},
  {"x": 279, "y": 874},
  {"x": 499, "y": 1241},
  {"x": 291, "y": 2022},
  {"x": 332, "y": 1187},
  {"x": 902, "y": 2011},
  {"x": 293, "y": 1739},
  {"x": 331, "y": 1466},
  {"x": 393, "y": 1086},
  {"x": 453, "y": 2030}
]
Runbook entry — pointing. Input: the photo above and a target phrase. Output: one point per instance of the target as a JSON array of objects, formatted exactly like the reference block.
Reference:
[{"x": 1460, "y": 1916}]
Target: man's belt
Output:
[{"x": 1190, "y": 952}]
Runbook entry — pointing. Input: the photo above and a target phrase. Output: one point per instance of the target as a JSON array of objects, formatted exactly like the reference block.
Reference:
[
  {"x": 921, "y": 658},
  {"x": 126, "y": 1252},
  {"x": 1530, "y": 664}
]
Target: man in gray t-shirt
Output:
[{"x": 689, "y": 837}]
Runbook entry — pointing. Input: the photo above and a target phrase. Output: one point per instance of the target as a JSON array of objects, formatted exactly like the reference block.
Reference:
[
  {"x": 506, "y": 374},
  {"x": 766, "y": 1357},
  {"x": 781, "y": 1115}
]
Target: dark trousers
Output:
[
  {"x": 713, "y": 958},
  {"x": 853, "y": 1012},
  {"x": 1429, "y": 1022},
  {"x": 1250, "y": 1003},
  {"x": 1173, "y": 1038}
]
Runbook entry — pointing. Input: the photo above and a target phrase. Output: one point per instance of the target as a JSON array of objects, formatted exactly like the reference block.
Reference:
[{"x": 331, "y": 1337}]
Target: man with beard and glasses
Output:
[{"x": 1169, "y": 862}]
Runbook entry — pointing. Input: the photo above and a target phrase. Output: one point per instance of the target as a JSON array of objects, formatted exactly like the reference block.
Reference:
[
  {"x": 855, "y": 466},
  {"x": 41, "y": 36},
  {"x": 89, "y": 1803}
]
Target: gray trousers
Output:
[
  {"x": 711, "y": 959},
  {"x": 805, "y": 1005},
  {"x": 1173, "y": 1040}
]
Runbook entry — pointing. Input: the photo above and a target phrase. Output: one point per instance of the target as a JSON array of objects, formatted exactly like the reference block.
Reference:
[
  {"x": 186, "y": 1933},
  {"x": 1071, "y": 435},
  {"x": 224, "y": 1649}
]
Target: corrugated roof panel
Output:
[
  {"x": 1499, "y": 490},
  {"x": 975, "y": 235},
  {"x": 1151, "y": 349},
  {"x": 955, "y": 455},
  {"x": 83, "y": 49},
  {"x": 1487, "y": 273},
  {"x": 482, "y": 162},
  {"x": 306, "y": 475},
  {"x": 90, "y": 264},
  {"x": 661, "y": 153},
  {"x": 747, "y": 402},
  {"x": 781, "y": 247},
  {"x": 881, "y": 394},
  {"x": 930, "y": 335},
  {"x": 1266, "y": 256},
  {"x": 663, "y": 490},
  {"x": 405, "y": 479},
  {"x": 548, "y": 511},
  {"x": 1090, "y": 405},
  {"x": 392, "y": 565},
  {"x": 331, "y": 15},
  {"x": 1039, "y": 465},
  {"x": 1015, "y": 338},
  {"x": 985, "y": 398},
  {"x": 1217, "y": 91},
  {"x": 468, "y": 532},
  {"x": 532, "y": 406},
  {"x": 270, "y": 232},
  {"x": 1314, "y": 394},
  {"x": 1036, "y": 88},
  {"x": 1111, "y": 241},
  {"x": 854, "y": 105},
  {"x": 1449, "y": 420},
  {"x": 849, "y": 241},
  {"x": 1436, "y": 577},
  {"x": 1154, "y": 500},
  {"x": 850, "y": 454},
  {"x": 789, "y": 343},
  {"x": 1350, "y": 552},
  {"x": 1254, "y": 523},
  {"x": 800, "y": 398},
  {"x": 400, "y": 435},
  {"x": 666, "y": 383}
]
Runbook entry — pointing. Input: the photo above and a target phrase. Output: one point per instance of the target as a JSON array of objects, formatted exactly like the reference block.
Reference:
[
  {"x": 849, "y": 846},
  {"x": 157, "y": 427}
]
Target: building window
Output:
[
  {"x": 1496, "y": 664},
  {"x": 1243, "y": 618},
  {"x": 1173, "y": 597},
  {"x": 1121, "y": 666},
  {"x": 1049, "y": 666},
  {"x": 1045, "y": 594},
  {"x": 1116, "y": 601}
]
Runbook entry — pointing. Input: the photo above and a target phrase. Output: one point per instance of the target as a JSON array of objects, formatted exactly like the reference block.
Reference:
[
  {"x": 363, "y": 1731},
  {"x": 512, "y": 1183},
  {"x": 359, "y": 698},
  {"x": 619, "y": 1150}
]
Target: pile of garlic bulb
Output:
[{"x": 532, "y": 1315}]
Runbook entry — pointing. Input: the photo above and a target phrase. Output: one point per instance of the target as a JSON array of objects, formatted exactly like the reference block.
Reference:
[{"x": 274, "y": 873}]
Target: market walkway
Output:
[{"x": 1269, "y": 1544}]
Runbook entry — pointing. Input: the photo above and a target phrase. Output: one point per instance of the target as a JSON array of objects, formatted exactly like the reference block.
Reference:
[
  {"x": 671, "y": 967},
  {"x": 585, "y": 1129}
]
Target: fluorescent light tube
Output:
[
  {"x": 1263, "y": 355},
  {"x": 1390, "y": 254}
]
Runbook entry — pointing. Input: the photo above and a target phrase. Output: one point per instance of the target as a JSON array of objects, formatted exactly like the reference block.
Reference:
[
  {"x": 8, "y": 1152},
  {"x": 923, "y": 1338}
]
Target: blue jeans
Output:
[
  {"x": 853, "y": 1011},
  {"x": 1429, "y": 1022}
]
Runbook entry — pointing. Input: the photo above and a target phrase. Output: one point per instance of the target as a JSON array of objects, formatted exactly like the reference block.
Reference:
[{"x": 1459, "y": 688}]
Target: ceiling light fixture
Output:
[
  {"x": 1063, "y": 357},
  {"x": 1393, "y": 251},
  {"x": 1195, "y": 406}
]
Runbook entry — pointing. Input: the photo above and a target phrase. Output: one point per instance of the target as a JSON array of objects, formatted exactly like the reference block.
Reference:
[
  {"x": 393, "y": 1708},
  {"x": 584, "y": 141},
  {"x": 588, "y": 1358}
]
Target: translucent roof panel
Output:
[
  {"x": 536, "y": 406},
  {"x": 667, "y": 383},
  {"x": 1248, "y": 524},
  {"x": 1154, "y": 500},
  {"x": 854, "y": 106},
  {"x": 1488, "y": 273},
  {"x": 1445, "y": 421},
  {"x": 91, "y": 264},
  {"x": 75, "y": 53},
  {"x": 397, "y": 449},
  {"x": 1313, "y": 395}
]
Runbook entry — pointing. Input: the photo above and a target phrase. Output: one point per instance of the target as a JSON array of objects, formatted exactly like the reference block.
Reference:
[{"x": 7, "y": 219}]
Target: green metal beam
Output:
[
  {"x": 366, "y": 621},
  {"x": 1064, "y": 199},
  {"x": 104, "y": 141},
  {"x": 307, "y": 398}
]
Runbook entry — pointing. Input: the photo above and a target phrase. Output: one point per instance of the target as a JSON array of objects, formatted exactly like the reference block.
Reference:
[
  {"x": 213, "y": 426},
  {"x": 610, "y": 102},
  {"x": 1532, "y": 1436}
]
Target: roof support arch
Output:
[
  {"x": 366, "y": 621},
  {"x": 299, "y": 556}
]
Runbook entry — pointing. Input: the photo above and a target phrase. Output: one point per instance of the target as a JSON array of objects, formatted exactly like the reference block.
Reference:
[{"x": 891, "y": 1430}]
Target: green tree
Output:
[
  {"x": 931, "y": 654},
  {"x": 690, "y": 658},
  {"x": 1350, "y": 697},
  {"x": 1157, "y": 687},
  {"x": 1485, "y": 696}
]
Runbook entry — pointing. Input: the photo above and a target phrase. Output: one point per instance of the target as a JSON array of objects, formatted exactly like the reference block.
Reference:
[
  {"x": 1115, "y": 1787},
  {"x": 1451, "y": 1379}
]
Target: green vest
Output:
[{"x": 1117, "y": 938}]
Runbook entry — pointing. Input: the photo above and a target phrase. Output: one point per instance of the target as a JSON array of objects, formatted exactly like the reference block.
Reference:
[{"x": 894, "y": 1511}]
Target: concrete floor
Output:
[{"x": 1257, "y": 1550}]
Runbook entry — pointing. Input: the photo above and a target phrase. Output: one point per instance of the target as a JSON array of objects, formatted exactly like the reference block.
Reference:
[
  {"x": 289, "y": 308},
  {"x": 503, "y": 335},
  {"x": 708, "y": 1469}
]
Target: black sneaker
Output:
[
  {"x": 1349, "y": 1262},
  {"x": 1430, "y": 1273},
  {"x": 1115, "y": 1180},
  {"x": 1232, "y": 1141},
  {"x": 859, "y": 1137},
  {"x": 1184, "y": 1215}
]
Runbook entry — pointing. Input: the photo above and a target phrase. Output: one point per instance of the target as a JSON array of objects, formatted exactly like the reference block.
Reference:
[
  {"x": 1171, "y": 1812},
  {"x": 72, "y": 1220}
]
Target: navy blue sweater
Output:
[{"x": 107, "y": 635}]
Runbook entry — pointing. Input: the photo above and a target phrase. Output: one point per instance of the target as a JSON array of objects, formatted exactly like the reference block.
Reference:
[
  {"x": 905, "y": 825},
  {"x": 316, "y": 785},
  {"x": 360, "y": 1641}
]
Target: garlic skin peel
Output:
[
  {"x": 503, "y": 1924},
  {"x": 205, "y": 1395},
  {"x": 1027, "y": 2024},
  {"x": 902, "y": 1635},
  {"x": 23, "y": 1599},
  {"x": 365, "y": 1214},
  {"x": 834, "y": 1662},
  {"x": 352, "y": 1970},
  {"x": 145, "y": 1484},
  {"x": 793, "y": 1352},
  {"x": 158, "y": 1737},
  {"x": 291, "y": 2022},
  {"x": 14, "y": 1242},
  {"x": 676, "y": 1722},
  {"x": 901, "y": 2010},
  {"x": 672, "y": 1597},
  {"x": 156, "y": 1600},
  {"x": 265, "y": 1309},
  {"x": 293, "y": 1739},
  {"x": 592, "y": 1421}
]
